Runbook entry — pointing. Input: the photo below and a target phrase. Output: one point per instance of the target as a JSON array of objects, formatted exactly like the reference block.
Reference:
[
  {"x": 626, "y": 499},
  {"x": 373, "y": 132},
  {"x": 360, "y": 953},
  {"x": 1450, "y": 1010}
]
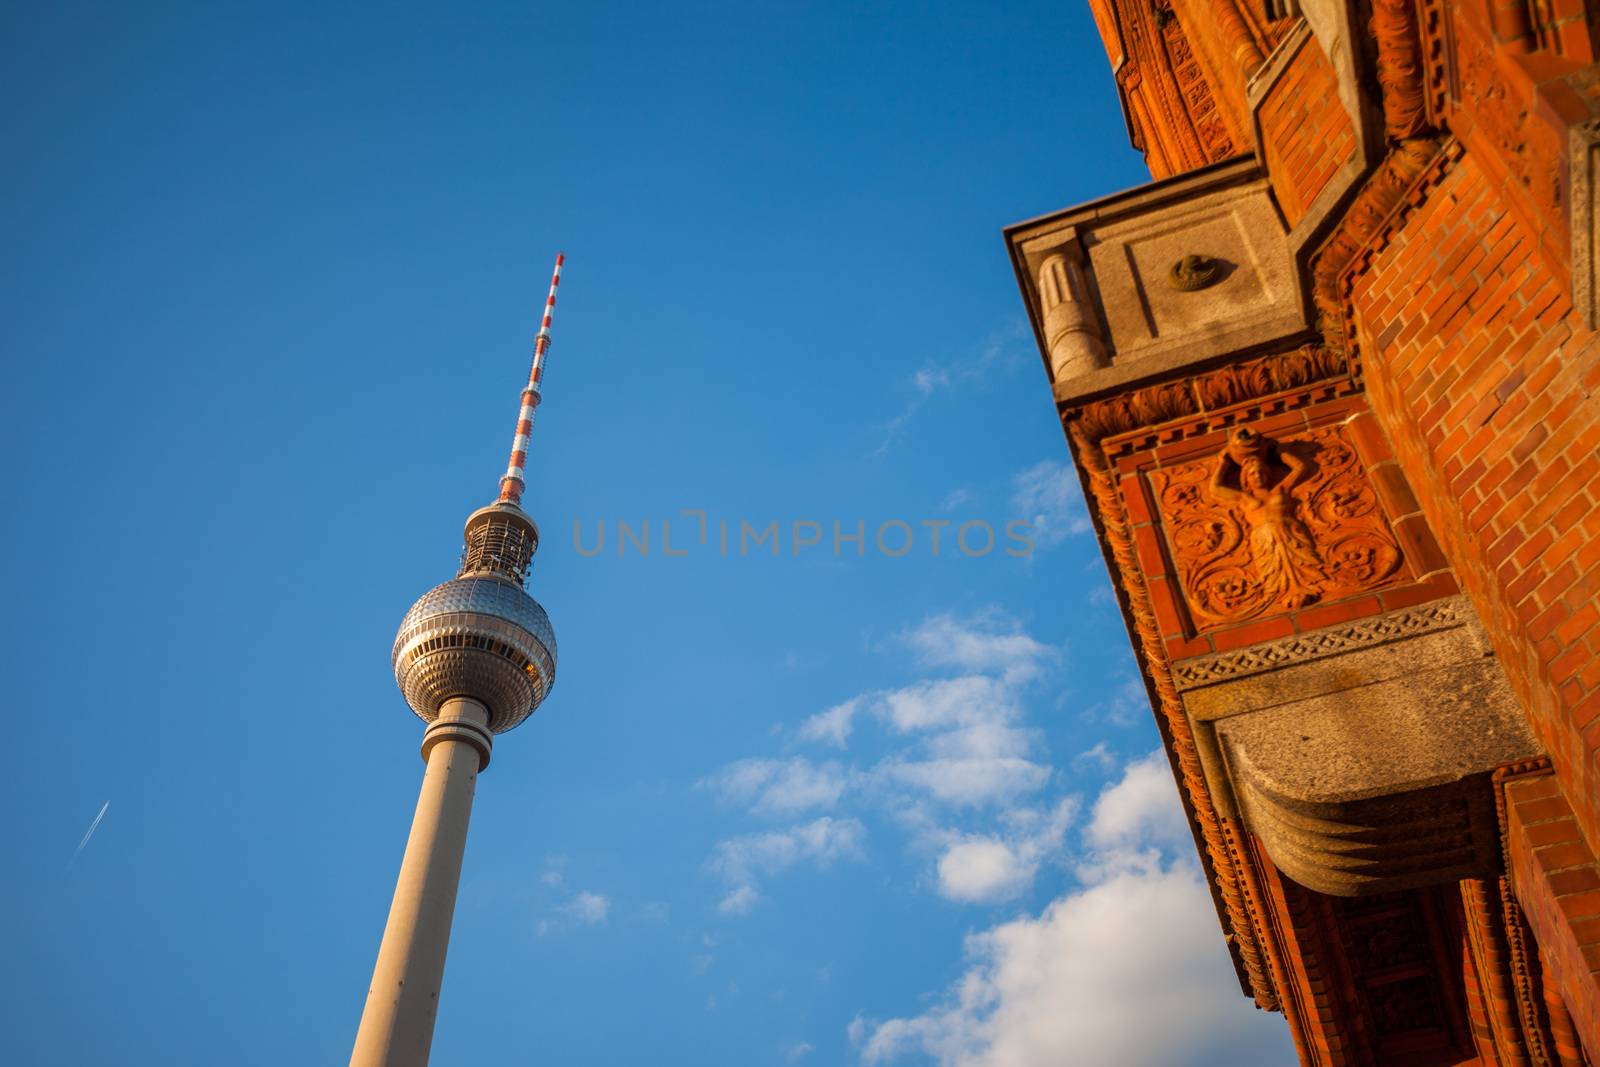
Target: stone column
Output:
[
  {"x": 403, "y": 1000},
  {"x": 1071, "y": 335}
]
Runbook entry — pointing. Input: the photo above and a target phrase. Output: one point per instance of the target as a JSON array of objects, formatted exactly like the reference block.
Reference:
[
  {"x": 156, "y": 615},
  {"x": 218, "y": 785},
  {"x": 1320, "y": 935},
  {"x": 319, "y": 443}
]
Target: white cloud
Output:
[
  {"x": 948, "y": 702},
  {"x": 986, "y": 642},
  {"x": 740, "y": 901},
  {"x": 554, "y": 870},
  {"x": 1048, "y": 496},
  {"x": 1080, "y": 982},
  {"x": 994, "y": 869},
  {"x": 971, "y": 751},
  {"x": 932, "y": 378},
  {"x": 832, "y": 726},
  {"x": 821, "y": 841},
  {"x": 957, "y": 747},
  {"x": 1100, "y": 756},
  {"x": 781, "y": 787},
  {"x": 585, "y": 909},
  {"x": 589, "y": 907},
  {"x": 1140, "y": 811},
  {"x": 744, "y": 860},
  {"x": 968, "y": 782},
  {"x": 983, "y": 871},
  {"x": 798, "y": 1051},
  {"x": 1126, "y": 702},
  {"x": 955, "y": 499}
]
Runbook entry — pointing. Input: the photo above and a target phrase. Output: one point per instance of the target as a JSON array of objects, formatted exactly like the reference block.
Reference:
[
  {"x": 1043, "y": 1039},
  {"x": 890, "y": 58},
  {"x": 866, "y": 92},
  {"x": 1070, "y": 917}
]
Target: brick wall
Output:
[
  {"x": 1305, "y": 131},
  {"x": 1554, "y": 876},
  {"x": 1486, "y": 383},
  {"x": 1563, "y": 27}
]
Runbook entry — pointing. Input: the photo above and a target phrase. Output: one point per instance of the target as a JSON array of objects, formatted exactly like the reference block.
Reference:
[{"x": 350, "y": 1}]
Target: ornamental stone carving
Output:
[
  {"x": 1193, "y": 272},
  {"x": 1274, "y": 525},
  {"x": 1366, "y": 633}
]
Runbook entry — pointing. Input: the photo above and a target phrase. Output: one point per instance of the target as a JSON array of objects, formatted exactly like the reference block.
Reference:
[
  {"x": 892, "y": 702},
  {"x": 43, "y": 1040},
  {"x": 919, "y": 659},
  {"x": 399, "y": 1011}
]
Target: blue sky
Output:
[{"x": 270, "y": 279}]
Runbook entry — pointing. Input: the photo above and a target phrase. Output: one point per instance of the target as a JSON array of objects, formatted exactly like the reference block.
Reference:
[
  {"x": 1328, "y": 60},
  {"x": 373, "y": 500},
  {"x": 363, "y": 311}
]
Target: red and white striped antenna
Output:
[{"x": 512, "y": 484}]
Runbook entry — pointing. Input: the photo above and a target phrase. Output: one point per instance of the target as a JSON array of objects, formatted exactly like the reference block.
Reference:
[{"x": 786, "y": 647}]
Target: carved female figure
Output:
[
  {"x": 1287, "y": 563},
  {"x": 1263, "y": 526}
]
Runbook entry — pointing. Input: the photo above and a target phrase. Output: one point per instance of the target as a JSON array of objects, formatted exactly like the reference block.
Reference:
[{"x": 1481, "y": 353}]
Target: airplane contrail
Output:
[{"x": 87, "y": 834}]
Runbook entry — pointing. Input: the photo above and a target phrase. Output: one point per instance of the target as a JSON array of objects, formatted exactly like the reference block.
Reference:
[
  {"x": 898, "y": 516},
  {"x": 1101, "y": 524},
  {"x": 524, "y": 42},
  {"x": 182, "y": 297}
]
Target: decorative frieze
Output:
[
  {"x": 1236, "y": 383},
  {"x": 1320, "y": 644}
]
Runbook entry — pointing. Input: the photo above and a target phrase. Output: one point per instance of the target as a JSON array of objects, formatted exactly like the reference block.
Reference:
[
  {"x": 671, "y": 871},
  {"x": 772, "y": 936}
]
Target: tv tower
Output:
[{"x": 474, "y": 657}]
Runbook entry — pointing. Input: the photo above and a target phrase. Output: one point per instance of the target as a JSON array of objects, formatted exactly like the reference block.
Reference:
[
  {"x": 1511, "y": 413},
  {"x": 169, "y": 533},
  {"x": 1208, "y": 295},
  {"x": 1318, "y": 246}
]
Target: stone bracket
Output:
[{"x": 1360, "y": 754}]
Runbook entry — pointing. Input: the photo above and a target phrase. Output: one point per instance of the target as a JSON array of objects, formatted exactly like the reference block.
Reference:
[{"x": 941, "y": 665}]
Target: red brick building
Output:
[{"x": 1332, "y": 384}]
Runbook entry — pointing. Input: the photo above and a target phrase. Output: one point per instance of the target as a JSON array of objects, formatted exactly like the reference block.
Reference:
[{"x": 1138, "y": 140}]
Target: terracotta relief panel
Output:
[
  {"x": 1502, "y": 109},
  {"x": 1201, "y": 106},
  {"x": 1272, "y": 525}
]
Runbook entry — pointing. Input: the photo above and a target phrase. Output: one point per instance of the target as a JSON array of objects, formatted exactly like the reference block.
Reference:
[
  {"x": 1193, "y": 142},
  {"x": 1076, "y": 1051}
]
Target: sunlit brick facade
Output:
[{"x": 1332, "y": 385}]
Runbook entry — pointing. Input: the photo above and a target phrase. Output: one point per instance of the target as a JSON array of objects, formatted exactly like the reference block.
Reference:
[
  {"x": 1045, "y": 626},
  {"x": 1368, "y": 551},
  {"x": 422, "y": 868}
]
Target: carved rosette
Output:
[{"x": 1299, "y": 523}]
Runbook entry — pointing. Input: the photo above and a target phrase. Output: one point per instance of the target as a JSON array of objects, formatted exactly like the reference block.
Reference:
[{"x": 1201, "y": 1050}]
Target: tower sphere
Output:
[{"x": 478, "y": 636}]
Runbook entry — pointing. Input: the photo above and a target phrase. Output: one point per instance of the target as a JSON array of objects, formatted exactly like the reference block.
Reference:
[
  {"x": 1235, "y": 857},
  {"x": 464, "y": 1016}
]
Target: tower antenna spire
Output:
[{"x": 512, "y": 484}]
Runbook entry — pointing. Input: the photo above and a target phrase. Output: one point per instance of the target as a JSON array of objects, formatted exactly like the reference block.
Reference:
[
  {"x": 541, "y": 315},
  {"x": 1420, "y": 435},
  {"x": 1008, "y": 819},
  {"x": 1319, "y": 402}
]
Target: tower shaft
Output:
[{"x": 402, "y": 1002}]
